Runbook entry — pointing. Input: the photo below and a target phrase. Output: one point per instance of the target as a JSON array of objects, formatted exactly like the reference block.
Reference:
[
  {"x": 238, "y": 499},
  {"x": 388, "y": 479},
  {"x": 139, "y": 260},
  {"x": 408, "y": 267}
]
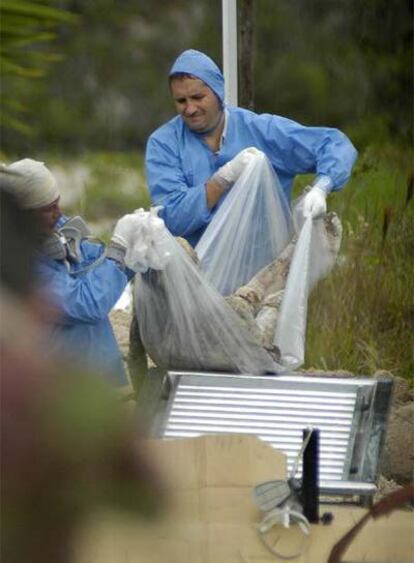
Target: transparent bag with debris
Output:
[
  {"x": 185, "y": 323},
  {"x": 249, "y": 230},
  {"x": 203, "y": 317},
  {"x": 316, "y": 250}
]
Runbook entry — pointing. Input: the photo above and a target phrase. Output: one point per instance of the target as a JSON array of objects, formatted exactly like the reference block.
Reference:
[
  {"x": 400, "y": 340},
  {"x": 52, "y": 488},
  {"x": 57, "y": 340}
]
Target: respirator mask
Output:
[{"x": 64, "y": 243}]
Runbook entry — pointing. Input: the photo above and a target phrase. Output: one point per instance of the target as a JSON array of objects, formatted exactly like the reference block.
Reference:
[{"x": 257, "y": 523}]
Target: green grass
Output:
[{"x": 361, "y": 318}]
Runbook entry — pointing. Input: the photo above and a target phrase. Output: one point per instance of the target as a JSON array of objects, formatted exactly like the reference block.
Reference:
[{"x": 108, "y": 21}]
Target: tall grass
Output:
[{"x": 361, "y": 318}]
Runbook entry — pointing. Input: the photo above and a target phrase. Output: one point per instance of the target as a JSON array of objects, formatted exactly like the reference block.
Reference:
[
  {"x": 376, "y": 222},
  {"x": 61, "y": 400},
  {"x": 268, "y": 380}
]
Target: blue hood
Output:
[{"x": 201, "y": 66}]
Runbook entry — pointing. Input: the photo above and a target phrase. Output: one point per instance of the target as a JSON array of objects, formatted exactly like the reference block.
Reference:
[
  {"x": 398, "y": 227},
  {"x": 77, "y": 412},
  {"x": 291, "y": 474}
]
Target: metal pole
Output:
[
  {"x": 310, "y": 476},
  {"x": 246, "y": 37},
  {"x": 229, "y": 12}
]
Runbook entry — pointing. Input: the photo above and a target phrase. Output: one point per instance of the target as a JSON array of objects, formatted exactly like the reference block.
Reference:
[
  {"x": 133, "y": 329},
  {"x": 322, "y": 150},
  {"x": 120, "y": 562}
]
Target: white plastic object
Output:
[
  {"x": 185, "y": 323},
  {"x": 148, "y": 246},
  {"x": 231, "y": 171},
  {"x": 250, "y": 229},
  {"x": 283, "y": 518},
  {"x": 124, "y": 229},
  {"x": 314, "y": 204},
  {"x": 311, "y": 261}
]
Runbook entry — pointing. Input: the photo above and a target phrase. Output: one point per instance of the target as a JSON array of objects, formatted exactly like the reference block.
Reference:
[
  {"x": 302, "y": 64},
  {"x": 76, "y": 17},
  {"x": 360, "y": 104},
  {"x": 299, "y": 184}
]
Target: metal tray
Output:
[{"x": 351, "y": 414}]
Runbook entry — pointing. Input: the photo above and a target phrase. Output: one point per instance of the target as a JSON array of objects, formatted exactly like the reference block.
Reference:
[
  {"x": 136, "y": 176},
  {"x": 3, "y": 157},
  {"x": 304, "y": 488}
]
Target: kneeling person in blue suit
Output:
[{"x": 82, "y": 279}]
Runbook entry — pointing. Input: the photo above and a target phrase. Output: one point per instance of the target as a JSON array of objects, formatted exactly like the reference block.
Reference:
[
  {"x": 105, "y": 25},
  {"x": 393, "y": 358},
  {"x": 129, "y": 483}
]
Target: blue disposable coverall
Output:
[
  {"x": 83, "y": 331},
  {"x": 179, "y": 162}
]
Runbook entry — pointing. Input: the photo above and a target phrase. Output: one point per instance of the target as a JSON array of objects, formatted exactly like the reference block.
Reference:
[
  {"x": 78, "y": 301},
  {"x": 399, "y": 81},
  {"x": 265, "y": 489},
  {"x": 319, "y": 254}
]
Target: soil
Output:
[{"x": 398, "y": 457}]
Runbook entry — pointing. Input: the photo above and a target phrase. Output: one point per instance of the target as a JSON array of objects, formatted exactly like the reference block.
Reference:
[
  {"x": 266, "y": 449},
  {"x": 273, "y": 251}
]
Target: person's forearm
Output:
[
  {"x": 214, "y": 191},
  {"x": 224, "y": 178},
  {"x": 90, "y": 298}
]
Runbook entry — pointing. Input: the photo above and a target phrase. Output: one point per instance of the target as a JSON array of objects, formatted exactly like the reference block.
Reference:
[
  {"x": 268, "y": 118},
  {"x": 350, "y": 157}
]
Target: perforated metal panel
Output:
[{"x": 350, "y": 414}]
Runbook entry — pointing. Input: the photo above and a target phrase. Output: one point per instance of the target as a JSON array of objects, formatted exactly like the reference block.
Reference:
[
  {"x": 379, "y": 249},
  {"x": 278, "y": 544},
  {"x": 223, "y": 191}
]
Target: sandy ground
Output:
[{"x": 120, "y": 322}]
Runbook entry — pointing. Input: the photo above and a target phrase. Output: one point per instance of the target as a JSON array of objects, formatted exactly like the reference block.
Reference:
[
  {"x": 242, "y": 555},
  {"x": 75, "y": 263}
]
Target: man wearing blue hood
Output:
[{"x": 195, "y": 158}]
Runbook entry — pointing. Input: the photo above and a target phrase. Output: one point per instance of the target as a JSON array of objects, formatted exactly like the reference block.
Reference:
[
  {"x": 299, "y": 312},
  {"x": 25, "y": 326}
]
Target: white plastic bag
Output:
[
  {"x": 313, "y": 258},
  {"x": 184, "y": 320},
  {"x": 249, "y": 230},
  {"x": 186, "y": 324},
  {"x": 149, "y": 248}
]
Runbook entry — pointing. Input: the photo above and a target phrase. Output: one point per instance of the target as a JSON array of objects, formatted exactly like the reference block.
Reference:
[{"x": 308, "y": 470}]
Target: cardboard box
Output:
[{"x": 211, "y": 516}]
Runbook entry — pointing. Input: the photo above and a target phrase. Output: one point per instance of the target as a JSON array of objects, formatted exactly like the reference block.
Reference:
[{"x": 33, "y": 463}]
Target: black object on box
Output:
[{"x": 310, "y": 476}]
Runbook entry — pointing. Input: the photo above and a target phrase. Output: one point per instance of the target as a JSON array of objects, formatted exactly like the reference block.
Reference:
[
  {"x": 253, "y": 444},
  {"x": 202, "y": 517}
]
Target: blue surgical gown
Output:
[
  {"x": 83, "y": 331},
  {"x": 179, "y": 162}
]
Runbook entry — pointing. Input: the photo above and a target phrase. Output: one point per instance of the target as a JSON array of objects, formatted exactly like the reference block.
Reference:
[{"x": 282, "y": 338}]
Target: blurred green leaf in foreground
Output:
[{"x": 27, "y": 29}]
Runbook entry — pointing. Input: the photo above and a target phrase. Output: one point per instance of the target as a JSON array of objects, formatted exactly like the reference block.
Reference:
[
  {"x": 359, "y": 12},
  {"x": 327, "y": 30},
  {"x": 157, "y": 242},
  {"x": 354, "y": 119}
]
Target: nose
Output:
[
  {"x": 56, "y": 213},
  {"x": 190, "y": 109}
]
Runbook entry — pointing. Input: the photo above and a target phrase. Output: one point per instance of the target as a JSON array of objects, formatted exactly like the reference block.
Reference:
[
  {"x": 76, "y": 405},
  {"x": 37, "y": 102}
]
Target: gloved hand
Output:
[
  {"x": 124, "y": 230},
  {"x": 140, "y": 241},
  {"x": 149, "y": 244},
  {"x": 314, "y": 203},
  {"x": 230, "y": 172}
]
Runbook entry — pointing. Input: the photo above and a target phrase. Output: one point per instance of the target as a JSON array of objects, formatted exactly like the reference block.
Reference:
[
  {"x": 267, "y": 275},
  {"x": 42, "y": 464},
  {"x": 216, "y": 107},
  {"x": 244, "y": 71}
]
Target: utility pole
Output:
[
  {"x": 247, "y": 54},
  {"x": 229, "y": 30}
]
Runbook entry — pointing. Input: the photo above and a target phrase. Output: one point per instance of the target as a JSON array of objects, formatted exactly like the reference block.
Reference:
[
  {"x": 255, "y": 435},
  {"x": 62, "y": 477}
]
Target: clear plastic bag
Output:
[
  {"x": 186, "y": 324},
  {"x": 313, "y": 258},
  {"x": 149, "y": 248},
  {"x": 249, "y": 230},
  {"x": 185, "y": 320}
]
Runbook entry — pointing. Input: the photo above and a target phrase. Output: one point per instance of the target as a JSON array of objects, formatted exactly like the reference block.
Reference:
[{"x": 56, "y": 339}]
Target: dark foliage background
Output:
[{"x": 344, "y": 63}]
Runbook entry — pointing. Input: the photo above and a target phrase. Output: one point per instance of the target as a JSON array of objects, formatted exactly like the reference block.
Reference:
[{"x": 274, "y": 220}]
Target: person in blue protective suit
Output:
[
  {"x": 193, "y": 160},
  {"x": 81, "y": 278}
]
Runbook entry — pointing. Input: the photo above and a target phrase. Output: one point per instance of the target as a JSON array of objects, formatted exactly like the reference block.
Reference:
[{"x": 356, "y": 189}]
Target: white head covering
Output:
[{"x": 31, "y": 182}]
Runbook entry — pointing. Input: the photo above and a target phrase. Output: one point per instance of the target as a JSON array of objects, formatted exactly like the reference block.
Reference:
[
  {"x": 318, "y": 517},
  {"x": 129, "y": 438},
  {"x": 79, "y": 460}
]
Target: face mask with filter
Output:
[{"x": 65, "y": 244}]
